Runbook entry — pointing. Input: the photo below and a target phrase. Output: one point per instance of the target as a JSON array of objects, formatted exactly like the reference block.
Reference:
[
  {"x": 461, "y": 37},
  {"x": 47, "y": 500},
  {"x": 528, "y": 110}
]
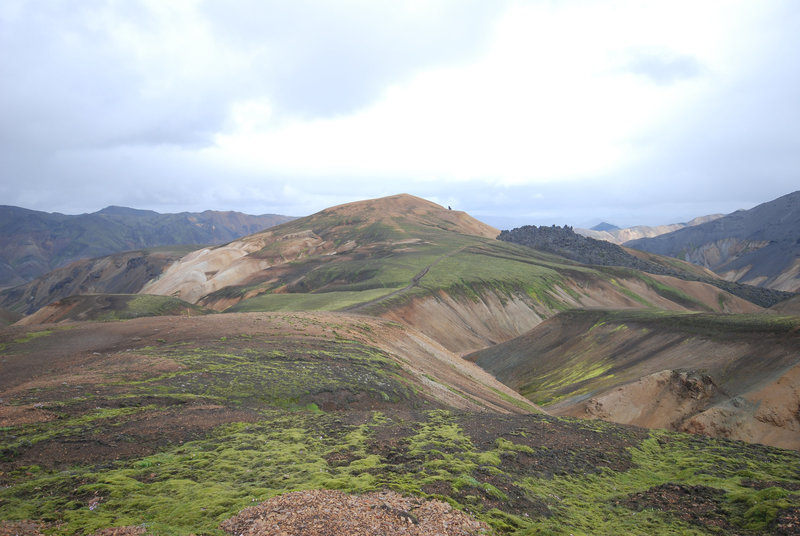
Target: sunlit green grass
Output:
[{"x": 322, "y": 301}]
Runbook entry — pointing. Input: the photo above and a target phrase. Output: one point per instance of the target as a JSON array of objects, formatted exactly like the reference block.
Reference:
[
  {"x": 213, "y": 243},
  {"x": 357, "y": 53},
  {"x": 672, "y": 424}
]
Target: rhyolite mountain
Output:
[
  {"x": 172, "y": 424},
  {"x": 604, "y": 226},
  {"x": 759, "y": 246},
  {"x": 33, "y": 243},
  {"x": 407, "y": 259}
]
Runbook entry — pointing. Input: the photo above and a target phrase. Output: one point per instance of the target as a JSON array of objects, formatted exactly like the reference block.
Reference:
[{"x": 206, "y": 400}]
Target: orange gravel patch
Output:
[
  {"x": 333, "y": 513},
  {"x": 27, "y": 414}
]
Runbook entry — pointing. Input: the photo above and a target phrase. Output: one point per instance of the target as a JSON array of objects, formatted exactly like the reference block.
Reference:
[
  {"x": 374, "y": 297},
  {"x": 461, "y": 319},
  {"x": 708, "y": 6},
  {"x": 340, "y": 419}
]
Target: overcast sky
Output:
[{"x": 538, "y": 112}]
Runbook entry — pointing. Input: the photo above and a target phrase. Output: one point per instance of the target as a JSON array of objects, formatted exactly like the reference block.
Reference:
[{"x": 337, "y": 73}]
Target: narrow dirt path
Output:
[{"x": 414, "y": 282}]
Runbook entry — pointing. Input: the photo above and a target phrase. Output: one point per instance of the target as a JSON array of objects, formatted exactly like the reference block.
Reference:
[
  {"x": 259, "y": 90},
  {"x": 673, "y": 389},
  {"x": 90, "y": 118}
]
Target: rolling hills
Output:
[
  {"x": 33, "y": 243},
  {"x": 324, "y": 353},
  {"x": 173, "y": 425},
  {"x": 410, "y": 260}
]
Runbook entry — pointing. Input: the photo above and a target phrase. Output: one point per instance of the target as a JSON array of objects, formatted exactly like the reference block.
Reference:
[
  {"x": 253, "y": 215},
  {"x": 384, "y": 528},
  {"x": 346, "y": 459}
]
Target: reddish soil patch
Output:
[
  {"x": 27, "y": 414},
  {"x": 21, "y": 528},
  {"x": 333, "y": 513}
]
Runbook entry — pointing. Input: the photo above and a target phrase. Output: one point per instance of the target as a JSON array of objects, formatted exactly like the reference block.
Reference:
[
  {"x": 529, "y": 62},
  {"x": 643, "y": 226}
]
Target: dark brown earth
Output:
[{"x": 698, "y": 505}]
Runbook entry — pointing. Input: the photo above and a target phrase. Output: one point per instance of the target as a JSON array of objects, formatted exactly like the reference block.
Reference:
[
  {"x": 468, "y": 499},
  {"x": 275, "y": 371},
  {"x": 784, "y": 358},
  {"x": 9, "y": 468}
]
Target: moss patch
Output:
[{"x": 520, "y": 474}]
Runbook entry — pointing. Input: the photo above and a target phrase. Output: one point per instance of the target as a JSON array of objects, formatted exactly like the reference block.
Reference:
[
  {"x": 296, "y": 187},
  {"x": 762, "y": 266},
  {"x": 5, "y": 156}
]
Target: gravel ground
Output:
[{"x": 333, "y": 513}]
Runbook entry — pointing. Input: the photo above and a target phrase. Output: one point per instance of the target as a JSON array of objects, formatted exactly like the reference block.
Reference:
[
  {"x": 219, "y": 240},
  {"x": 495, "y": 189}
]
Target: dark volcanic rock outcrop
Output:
[{"x": 565, "y": 242}]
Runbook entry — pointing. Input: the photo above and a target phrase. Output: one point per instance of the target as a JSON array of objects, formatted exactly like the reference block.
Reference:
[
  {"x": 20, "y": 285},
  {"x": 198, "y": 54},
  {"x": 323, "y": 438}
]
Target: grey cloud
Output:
[
  {"x": 661, "y": 66},
  {"x": 327, "y": 58},
  {"x": 76, "y": 85}
]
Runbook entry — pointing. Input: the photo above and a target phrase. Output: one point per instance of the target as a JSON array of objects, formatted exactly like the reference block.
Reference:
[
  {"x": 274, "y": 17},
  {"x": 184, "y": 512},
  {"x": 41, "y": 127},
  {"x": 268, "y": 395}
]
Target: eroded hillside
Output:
[
  {"x": 411, "y": 260},
  {"x": 33, "y": 243},
  {"x": 759, "y": 246},
  {"x": 733, "y": 376},
  {"x": 121, "y": 273},
  {"x": 175, "y": 425}
]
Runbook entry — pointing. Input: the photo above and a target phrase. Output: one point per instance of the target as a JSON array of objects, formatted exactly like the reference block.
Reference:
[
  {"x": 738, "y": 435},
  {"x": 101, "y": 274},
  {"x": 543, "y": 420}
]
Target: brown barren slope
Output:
[
  {"x": 733, "y": 376},
  {"x": 109, "y": 360},
  {"x": 119, "y": 273}
]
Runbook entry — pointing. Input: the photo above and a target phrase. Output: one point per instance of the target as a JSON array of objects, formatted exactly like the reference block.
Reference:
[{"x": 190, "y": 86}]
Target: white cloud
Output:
[
  {"x": 500, "y": 107},
  {"x": 545, "y": 102}
]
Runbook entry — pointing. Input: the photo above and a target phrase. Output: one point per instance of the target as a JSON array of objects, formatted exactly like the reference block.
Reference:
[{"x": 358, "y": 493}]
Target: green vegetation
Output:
[
  {"x": 574, "y": 374},
  {"x": 522, "y": 475},
  {"x": 28, "y": 337},
  {"x": 290, "y": 374},
  {"x": 323, "y": 301},
  {"x": 126, "y": 306},
  {"x": 665, "y": 291},
  {"x": 465, "y": 266}
]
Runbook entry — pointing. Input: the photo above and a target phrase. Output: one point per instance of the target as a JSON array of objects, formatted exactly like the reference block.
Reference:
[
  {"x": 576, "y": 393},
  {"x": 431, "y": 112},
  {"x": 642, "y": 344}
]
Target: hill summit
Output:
[
  {"x": 362, "y": 229},
  {"x": 605, "y": 226},
  {"x": 400, "y": 209}
]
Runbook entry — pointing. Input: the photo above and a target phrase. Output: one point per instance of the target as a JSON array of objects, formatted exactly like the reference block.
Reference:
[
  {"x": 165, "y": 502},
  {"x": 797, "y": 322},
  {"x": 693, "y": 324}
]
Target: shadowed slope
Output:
[
  {"x": 734, "y": 376},
  {"x": 107, "y": 307},
  {"x": 122, "y": 273},
  {"x": 759, "y": 246}
]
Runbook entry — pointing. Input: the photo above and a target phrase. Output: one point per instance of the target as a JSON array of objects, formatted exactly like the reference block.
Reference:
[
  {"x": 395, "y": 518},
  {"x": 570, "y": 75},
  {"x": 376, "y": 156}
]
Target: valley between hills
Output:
[{"x": 393, "y": 345}]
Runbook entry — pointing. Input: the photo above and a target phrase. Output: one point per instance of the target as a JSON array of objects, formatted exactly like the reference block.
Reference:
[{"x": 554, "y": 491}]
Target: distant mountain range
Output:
[
  {"x": 33, "y": 243},
  {"x": 611, "y": 233},
  {"x": 604, "y": 226},
  {"x": 760, "y": 246}
]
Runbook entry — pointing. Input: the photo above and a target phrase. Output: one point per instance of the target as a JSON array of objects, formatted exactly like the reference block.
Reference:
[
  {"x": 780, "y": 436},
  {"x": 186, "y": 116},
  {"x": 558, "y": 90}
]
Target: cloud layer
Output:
[{"x": 519, "y": 112}]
